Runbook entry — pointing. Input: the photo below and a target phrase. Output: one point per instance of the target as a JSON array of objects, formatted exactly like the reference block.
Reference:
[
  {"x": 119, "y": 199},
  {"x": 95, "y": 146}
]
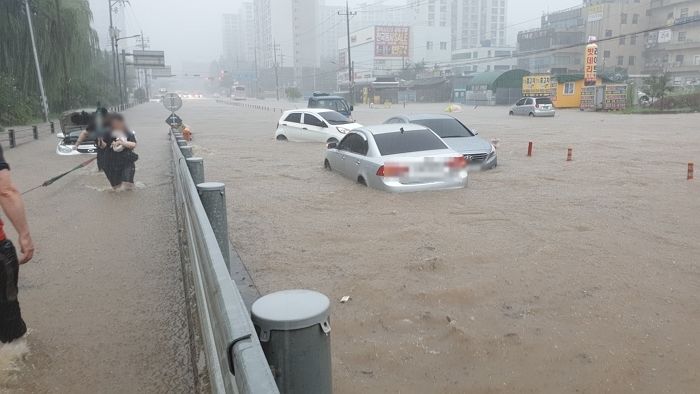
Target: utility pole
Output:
[
  {"x": 44, "y": 101},
  {"x": 126, "y": 84},
  {"x": 144, "y": 45},
  {"x": 277, "y": 77},
  {"x": 111, "y": 39},
  {"x": 351, "y": 77}
]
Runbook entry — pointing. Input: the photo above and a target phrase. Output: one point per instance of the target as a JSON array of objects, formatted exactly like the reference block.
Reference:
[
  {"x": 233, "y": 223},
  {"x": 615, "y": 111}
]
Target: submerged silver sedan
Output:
[{"x": 397, "y": 158}]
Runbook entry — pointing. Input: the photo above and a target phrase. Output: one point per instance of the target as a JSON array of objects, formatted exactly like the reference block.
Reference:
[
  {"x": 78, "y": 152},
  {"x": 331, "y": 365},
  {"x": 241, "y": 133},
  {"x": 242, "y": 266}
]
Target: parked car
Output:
[
  {"x": 335, "y": 103},
  {"x": 478, "y": 152},
  {"x": 533, "y": 107},
  {"x": 73, "y": 123},
  {"x": 322, "y": 125},
  {"x": 397, "y": 158}
]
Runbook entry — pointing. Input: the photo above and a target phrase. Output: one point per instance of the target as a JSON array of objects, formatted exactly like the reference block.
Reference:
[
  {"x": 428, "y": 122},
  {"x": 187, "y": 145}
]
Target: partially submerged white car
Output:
[
  {"x": 72, "y": 124},
  {"x": 314, "y": 124}
]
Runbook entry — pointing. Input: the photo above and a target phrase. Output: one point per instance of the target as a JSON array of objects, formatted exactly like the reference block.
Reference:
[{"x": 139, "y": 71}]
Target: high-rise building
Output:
[
  {"x": 289, "y": 31},
  {"x": 239, "y": 40},
  {"x": 478, "y": 23}
]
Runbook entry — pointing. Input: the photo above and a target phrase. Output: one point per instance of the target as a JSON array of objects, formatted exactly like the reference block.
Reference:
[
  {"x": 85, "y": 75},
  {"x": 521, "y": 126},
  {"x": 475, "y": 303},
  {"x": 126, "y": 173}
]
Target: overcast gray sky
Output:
[{"x": 191, "y": 29}]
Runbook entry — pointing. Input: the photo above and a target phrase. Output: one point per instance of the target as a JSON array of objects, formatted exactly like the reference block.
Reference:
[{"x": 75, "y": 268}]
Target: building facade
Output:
[
  {"x": 477, "y": 23},
  {"x": 676, "y": 49}
]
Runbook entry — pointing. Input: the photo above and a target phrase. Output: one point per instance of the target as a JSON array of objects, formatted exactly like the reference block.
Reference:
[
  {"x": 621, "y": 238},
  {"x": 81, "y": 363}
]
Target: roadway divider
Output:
[
  {"x": 235, "y": 360},
  {"x": 14, "y": 136},
  {"x": 256, "y": 106}
]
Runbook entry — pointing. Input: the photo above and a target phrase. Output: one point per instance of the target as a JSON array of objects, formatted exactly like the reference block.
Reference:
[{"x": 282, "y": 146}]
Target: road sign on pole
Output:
[
  {"x": 173, "y": 120},
  {"x": 172, "y": 102}
]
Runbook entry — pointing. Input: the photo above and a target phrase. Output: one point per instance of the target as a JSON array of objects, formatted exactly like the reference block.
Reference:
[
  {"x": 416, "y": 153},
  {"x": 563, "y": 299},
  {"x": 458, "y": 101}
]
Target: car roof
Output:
[
  {"x": 326, "y": 98},
  {"x": 392, "y": 128},
  {"x": 415, "y": 117},
  {"x": 311, "y": 110}
]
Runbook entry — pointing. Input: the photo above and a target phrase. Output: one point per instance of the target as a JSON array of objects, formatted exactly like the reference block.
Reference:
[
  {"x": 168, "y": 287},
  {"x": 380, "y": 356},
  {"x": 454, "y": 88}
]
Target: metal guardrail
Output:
[{"x": 235, "y": 361}]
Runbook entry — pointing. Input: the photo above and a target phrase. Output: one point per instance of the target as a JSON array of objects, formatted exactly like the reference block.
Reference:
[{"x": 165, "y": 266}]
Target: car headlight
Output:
[
  {"x": 342, "y": 130},
  {"x": 65, "y": 149}
]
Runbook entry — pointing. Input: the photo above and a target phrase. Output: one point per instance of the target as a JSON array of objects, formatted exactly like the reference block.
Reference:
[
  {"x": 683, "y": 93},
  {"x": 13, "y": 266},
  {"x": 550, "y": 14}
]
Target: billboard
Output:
[
  {"x": 595, "y": 13},
  {"x": 149, "y": 59},
  {"x": 590, "y": 73},
  {"x": 665, "y": 36},
  {"x": 391, "y": 41},
  {"x": 537, "y": 85}
]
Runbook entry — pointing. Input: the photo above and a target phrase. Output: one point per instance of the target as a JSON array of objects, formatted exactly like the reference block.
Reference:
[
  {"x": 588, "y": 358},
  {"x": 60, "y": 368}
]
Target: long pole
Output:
[
  {"x": 126, "y": 86},
  {"x": 351, "y": 77},
  {"x": 277, "y": 78},
  {"x": 111, "y": 39},
  {"x": 119, "y": 72},
  {"x": 145, "y": 70},
  {"x": 44, "y": 101}
]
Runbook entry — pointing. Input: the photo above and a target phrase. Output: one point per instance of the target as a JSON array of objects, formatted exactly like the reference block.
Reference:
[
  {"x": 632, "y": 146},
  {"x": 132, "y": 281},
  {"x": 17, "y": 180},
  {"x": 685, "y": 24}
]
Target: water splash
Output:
[{"x": 12, "y": 359}]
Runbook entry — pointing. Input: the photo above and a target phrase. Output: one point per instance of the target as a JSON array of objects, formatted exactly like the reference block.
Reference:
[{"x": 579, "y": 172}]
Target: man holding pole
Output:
[{"x": 11, "y": 324}]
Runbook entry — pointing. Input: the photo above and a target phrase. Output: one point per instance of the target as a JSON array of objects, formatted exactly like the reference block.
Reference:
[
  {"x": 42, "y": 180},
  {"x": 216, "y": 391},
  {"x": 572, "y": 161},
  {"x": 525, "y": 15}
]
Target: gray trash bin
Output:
[{"x": 294, "y": 331}]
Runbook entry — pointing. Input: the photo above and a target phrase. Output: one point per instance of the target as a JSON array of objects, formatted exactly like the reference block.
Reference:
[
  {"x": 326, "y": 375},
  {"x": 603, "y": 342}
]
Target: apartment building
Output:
[
  {"x": 238, "y": 37},
  {"x": 674, "y": 49},
  {"x": 477, "y": 23}
]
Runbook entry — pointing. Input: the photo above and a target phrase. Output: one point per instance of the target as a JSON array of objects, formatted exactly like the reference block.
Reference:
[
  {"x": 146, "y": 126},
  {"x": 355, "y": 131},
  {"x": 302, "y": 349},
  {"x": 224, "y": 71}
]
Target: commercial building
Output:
[
  {"x": 676, "y": 49},
  {"x": 615, "y": 22},
  {"x": 483, "y": 59},
  {"x": 558, "y": 29}
]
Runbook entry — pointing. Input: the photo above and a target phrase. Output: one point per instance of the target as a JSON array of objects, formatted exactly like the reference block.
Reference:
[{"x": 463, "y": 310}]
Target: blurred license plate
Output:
[{"x": 428, "y": 170}]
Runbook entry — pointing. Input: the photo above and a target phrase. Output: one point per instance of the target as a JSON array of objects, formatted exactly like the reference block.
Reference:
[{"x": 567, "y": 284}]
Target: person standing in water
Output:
[
  {"x": 11, "y": 324},
  {"x": 120, "y": 160}
]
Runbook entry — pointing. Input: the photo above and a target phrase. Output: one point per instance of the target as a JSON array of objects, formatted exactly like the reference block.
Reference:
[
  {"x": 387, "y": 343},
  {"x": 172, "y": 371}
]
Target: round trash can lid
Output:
[{"x": 290, "y": 310}]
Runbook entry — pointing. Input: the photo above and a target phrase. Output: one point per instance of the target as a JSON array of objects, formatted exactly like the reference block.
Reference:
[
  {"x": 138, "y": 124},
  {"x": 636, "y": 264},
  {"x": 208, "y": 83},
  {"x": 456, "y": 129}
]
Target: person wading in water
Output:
[
  {"x": 11, "y": 324},
  {"x": 120, "y": 158}
]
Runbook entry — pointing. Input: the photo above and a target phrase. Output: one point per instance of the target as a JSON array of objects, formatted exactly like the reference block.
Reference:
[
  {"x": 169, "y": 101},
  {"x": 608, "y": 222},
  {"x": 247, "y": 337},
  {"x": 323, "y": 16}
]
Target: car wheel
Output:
[
  {"x": 327, "y": 165},
  {"x": 361, "y": 181},
  {"x": 511, "y": 113},
  {"x": 281, "y": 138},
  {"x": 532, "y": 115}
]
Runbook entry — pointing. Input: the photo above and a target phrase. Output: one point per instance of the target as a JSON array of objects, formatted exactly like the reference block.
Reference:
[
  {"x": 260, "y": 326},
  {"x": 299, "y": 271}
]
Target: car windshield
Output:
[
  {"x": 334, "y": 104},
  {"x": 408, "y": 141},
  {"x": 446, "y": 128},
  {"x": 335, "y": 118},
  {"x": 544, "y": 101}
]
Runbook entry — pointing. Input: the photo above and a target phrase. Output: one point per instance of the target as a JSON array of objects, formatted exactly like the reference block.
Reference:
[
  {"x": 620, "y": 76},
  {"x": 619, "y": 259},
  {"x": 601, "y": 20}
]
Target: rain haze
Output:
[{"x": 191, "y": 30}]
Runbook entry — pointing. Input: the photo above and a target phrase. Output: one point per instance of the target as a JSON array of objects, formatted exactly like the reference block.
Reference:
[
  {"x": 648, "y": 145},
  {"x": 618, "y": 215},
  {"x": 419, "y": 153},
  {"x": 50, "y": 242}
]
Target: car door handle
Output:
[
  {"x": 357, "y": 162},
  {"x": 304, "y": 128}
]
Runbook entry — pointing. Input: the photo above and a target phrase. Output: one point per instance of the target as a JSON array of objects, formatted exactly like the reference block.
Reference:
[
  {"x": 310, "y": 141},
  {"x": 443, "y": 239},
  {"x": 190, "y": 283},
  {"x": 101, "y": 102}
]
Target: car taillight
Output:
[
  {"x": 392, "y": 170},
  {"x": 457, "y": 162}
]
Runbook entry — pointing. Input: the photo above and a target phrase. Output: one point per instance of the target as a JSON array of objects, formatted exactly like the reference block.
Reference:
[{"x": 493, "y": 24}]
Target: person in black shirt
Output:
[
  {"x": 11, "y": 324},
  {"x": 120, "y": 158}
]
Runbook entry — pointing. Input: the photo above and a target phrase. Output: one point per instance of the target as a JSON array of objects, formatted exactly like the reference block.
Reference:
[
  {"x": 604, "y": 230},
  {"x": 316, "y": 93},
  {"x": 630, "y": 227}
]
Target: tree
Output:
[
  {"x": 76, "y": 72},
  {"x": 292, "y": 93},
  {"x": 658, "y": 86}
]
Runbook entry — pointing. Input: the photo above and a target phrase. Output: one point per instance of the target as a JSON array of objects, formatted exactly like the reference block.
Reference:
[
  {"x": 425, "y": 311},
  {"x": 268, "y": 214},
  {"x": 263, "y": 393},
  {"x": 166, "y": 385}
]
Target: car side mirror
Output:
[
  {"x": 332, "y": 145},
  {"x": 475, "y": 132},
  {"x": 352, "y": 108},
  {"x": 60, "y": 136}
]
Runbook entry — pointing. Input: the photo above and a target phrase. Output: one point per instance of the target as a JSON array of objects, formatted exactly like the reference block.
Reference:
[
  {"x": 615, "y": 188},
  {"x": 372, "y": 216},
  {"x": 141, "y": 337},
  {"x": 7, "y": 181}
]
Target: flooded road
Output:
[
  {"x": 542, "y": 277},
  {"x": 103, "y": 298}
]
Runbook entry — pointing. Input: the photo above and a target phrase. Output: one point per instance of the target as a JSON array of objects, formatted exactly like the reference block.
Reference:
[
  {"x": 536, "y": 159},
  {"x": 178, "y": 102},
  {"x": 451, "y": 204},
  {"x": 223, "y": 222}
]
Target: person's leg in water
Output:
[
  {"x": 11, "y": 324},
  {"x": 114, "y": 176},
  {"x": 127, "y": 176}
]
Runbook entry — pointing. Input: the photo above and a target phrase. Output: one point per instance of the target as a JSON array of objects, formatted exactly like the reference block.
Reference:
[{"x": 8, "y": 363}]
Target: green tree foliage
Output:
[
  {"x": 76, "y": 72},
  {"x": 658, "y": 86},
  {"x": 292, "y": 93}
]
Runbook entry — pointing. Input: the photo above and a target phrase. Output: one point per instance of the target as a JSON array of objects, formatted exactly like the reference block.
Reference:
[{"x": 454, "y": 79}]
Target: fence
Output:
[{"x": 235, "y": 361}]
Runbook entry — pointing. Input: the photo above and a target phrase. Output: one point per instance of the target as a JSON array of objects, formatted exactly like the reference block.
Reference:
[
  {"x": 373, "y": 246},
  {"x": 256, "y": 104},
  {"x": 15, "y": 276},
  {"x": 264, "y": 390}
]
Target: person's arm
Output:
[
  {"x": 13, "y": 206},
  {"x": 82, "y": 137},
  {"x": 129, "y": 144}
]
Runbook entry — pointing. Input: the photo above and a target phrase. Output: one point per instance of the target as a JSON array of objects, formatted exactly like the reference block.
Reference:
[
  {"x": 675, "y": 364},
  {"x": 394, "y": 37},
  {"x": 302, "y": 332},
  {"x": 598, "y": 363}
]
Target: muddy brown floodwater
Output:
[{"x": 542, "y": 277}]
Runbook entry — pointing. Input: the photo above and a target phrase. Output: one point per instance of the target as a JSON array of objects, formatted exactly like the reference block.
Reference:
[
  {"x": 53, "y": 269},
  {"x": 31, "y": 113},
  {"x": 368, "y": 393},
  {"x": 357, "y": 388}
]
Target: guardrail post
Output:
[
  {"x": 186, "y": 151},
  {"x": 213, "y": 196},
  {"x": 53, "y": 127},
  {"x": 11, "y": 136},
  {"x": 181, "y": 142},
  {"x": 294, "y": 327},
  {"x": 196, "y": 167},
  {"x": 35, "y": 132}
]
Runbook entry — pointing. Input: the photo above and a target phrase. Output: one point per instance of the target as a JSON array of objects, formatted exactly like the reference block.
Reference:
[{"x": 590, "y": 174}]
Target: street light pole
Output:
[
  {"x": 44, "y": 101},
  {"x": 112, "y": 36}
]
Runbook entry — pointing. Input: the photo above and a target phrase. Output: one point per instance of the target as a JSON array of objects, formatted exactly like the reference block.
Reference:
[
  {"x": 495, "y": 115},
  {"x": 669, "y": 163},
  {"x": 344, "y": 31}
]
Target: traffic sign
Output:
[
  {"x": 173, "y": 120},
  {"x": 172, "y": 102}
]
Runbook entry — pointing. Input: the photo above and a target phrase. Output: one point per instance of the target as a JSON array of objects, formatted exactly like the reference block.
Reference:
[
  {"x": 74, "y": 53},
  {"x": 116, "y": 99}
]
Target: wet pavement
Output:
[{"x": 103, "y": 298}]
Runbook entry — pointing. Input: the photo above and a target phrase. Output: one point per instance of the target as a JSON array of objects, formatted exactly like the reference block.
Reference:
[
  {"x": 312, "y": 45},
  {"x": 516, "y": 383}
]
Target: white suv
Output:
[{"x": 313, "y": 124}]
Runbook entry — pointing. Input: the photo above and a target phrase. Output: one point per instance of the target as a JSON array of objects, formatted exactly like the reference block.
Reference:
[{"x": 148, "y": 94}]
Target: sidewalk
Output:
[{"x": 104, "y": 298}]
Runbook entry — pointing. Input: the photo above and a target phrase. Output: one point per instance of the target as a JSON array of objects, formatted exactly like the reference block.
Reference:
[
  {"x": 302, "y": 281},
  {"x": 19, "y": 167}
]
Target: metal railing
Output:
[
  {"x": 235, "y": 361},
  {"x": 18, "y": 135}
]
